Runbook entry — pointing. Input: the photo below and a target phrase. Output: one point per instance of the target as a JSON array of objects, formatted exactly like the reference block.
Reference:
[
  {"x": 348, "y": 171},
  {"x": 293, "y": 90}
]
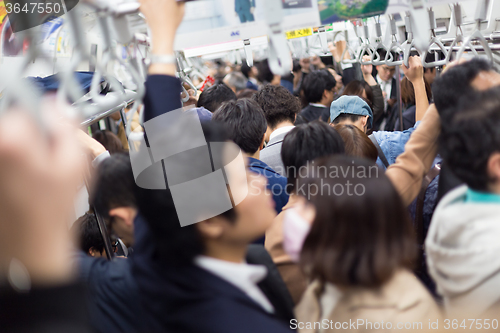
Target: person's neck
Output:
[
  {"x": 292, "y": 200},
  {"x": 228, "y": 252},
  {"x": 323, "y": 102},
  {"x": 256, "y": 155},
  {"x": 281, "y": 125}
]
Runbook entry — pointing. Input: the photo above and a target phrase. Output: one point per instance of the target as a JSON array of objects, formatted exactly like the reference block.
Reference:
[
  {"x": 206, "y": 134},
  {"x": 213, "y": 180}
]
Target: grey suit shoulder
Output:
[{"x": 271, "y": 155}]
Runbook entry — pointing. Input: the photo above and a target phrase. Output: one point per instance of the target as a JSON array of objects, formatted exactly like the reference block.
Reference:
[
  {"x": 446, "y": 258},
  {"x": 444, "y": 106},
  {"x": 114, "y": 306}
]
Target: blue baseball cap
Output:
[{"x": 351, "y": 105}]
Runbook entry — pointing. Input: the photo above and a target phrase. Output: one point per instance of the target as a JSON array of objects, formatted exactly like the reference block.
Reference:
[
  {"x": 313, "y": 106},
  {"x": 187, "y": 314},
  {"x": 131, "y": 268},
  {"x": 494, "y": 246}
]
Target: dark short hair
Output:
[
  {"x": 109, "y": 140},
  {"x": 356, "y": 88},
  {"x": 176, "y": 245},
  {"x": 356, "y": 142},
  {"x": 345, "y": 117},
  {"x": 245, "y": 122},
  {"x": 455, "y": 83},
  {"x": 245, "y": 69},
  {"x": 212, "y": 97},
  {"x": 278, "y": 104},
  {"x": 472, "y": 135},
  {"x": 408, "y": 92},
  {"x": 360, "y": 239},
  {"x": 114, "y": 185},
  {"x": 265, "y": 75},
  {"x": 88, "y": 233},
  {"x": 315, "y": 83},
  {"x": 305, "y": 143},
  {"x": 296, "y": 66}
]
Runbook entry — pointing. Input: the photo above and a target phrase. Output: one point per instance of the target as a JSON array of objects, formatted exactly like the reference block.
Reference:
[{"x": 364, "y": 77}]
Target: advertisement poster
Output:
[
  {"x": 209, "y": 22},
  {"x": 331, "y": 11}
]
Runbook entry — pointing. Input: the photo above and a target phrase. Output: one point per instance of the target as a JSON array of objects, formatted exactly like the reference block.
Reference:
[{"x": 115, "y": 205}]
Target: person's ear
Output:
[
  {"x": 93, "y": 252},
  {"x": 364, "y": 121},
  {"x": 325, "y": 94},
  {"x": 212, "y": 228},
  {"x": 268, "y": 133},
  {"x": 494, "y": 167},
  {"x": 126, "y": 214},
  {"x": 262, "y": 142}
]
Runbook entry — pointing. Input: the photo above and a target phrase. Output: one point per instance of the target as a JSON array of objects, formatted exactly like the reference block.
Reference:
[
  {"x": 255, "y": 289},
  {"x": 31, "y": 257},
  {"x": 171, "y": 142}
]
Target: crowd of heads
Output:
[
  {"x": 347, "y": 241},
  {"x": 360, "y": 233}
]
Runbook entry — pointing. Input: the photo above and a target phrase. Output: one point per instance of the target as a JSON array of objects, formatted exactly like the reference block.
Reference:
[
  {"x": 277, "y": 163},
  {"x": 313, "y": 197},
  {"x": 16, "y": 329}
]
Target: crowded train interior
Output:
[{"x": 249, "y": 166}]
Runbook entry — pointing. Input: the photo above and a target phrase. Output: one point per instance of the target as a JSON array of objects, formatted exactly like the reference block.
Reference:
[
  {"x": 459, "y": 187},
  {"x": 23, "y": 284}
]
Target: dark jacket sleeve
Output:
[
  {"x": 378, "y": 103},
  {"x": 162, "y": 95},
  {"x": 58, "y": 309},
  {"x": 113, "y": 294},
  {"x": 350, "y": 74},
  {"x": 394, "y": 94}
]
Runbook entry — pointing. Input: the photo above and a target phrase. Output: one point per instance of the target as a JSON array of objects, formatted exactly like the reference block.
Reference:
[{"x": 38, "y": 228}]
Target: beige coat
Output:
[
  {"x": 403, "y": 299},
  {"x": 411, "y": 166},
  {"x": 290, "y": 271}
]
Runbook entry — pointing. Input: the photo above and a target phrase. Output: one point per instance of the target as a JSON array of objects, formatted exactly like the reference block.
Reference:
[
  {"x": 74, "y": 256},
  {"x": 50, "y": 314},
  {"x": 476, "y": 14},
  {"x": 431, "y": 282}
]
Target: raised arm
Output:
[
  {"x": 415, "y": 74},
  {"x": 378, "y": 98},
  {"x": 410, "y": 168},
  {"x": 162, "y": 87}
]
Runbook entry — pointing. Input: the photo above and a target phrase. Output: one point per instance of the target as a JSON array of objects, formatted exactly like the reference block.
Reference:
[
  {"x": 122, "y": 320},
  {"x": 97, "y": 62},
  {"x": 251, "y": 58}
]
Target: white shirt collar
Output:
[
  {"x": 318, "y": 105},
  {"x": 243, "y": 276},
  {"x": 281, "y": 130}
]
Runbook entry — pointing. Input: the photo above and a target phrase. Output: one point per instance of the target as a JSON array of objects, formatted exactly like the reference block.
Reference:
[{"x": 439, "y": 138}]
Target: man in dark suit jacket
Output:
[
  {"x": 318, "y": 91},
  {"x": 244, "y": 9},
  {"x": 194, "y": 278},
  {"x": 189, "y": 298},
  {"x": 186, "y": 272}
]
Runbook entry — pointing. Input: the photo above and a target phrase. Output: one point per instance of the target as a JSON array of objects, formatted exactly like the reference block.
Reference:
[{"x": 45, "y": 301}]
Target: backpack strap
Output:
[{"x": 381, "y": 154}]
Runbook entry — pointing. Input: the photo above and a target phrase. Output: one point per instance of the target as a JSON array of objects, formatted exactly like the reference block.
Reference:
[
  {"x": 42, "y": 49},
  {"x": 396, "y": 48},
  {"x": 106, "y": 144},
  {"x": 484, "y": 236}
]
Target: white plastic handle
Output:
[
  {"x": 322, "y": 39},
  {"x": 280, "y": 60},
  {"x": 248, "y": 52}
]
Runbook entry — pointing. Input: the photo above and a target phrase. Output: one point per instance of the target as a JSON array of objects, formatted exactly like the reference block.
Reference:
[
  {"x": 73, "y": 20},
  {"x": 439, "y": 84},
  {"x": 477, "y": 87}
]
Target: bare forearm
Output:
[{"x": 369, "y": 79}]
